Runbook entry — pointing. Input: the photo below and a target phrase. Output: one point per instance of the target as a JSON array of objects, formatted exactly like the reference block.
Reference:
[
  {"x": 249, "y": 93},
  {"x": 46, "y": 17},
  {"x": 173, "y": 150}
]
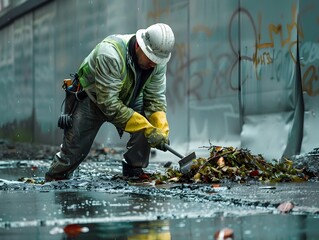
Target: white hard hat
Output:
[{"x": 156, "y": 42}]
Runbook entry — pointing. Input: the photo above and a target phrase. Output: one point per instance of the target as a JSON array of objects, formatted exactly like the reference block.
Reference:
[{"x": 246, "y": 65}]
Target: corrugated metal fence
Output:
[{"x": 243, "y": 73}]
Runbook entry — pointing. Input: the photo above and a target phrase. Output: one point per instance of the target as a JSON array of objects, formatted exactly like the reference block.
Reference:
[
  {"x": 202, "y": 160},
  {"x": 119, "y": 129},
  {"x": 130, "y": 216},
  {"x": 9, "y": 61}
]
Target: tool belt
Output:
[
  {"x": 74, "y": 87},
  {"x": 74, "y": 94}
]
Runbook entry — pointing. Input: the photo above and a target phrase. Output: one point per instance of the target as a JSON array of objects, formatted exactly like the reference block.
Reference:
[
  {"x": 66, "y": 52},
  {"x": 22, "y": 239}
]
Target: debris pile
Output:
[
  {"x": 309, "y": 162},
  {"x": 237, "y": 165}
]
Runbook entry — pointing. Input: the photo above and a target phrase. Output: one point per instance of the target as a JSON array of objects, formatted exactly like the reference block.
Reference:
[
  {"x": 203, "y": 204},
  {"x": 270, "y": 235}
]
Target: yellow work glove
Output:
[
  {"x": 156, "y": 137},
  {"x": 159, "y": 120},
  {"x": 137, "y": 123}
]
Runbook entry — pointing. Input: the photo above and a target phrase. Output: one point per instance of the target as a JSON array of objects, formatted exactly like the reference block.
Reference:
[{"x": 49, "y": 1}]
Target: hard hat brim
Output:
[{"x": 154, "y": 58}]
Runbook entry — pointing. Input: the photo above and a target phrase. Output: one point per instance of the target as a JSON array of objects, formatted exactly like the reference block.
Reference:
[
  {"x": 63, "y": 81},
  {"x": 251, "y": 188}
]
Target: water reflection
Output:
[
  {"x": 124, "y": 230},
  {"x": 13, "y": 170},
  {"x": 249, "y": 227},
  {"x": 83, "y": 204}
]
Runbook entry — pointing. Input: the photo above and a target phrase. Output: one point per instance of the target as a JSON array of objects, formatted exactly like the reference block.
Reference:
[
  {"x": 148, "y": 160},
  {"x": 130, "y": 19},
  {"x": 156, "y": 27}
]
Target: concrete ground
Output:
[{"x": 98, "y": 204}]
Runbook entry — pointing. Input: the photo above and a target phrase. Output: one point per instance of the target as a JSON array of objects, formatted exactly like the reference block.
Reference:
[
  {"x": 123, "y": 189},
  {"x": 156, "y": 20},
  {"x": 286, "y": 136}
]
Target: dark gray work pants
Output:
[{"x": 77, "y": 142}]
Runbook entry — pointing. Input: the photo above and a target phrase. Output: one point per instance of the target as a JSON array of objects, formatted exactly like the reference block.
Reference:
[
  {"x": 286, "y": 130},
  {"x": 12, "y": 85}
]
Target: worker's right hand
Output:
[{"x": 156, "y": 138}]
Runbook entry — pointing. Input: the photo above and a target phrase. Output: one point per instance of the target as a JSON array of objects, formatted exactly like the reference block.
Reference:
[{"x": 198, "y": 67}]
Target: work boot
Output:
[{"x": 131, "y": 172}]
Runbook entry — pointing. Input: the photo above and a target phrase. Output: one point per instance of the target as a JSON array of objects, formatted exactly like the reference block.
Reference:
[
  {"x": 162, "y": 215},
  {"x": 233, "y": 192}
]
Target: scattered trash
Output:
[
  {"x": 225, "y": 233},
  {"x": 267, "y": 187},
  {"x": 218, "y": 187},
  {"x": 34, "y": 168},
  {"x": 309, "y": 162},
  {"x": 285, "y": 207},
  {"x": 40, "y": 181},
  {"x": 73, "y": 230},
  {"x": 56, "y": 230},
  {"x": 144, "y": 176}
]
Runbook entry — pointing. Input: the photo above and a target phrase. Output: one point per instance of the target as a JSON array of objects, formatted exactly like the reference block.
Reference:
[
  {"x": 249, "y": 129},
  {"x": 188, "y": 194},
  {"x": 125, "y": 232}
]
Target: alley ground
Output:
[{"x": 99, "y": 204}]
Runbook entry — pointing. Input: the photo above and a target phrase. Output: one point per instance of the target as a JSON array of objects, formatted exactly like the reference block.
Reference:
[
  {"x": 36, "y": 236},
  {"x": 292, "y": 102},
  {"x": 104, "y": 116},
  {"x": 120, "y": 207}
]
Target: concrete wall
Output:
[{"x": 243, "y": 73}]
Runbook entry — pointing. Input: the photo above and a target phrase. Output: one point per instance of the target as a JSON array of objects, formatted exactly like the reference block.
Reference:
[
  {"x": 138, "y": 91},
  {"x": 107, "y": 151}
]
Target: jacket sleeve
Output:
[
  {"x": 108, "y": 82},
  {"x": 154, "y": 92}
]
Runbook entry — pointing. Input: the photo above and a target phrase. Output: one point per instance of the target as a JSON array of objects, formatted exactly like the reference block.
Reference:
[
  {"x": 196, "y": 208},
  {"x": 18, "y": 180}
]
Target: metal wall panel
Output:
[
  {"x": 309, "y": 54},
  {"x": 213, "y": 80},
  {"x": 23, "y": 77},
  {"x": 44, "y": 73},
  {"x": 268, "y": 76},
  {"x": 7, "y": 78},
  {"x": 17, "y": 80}
]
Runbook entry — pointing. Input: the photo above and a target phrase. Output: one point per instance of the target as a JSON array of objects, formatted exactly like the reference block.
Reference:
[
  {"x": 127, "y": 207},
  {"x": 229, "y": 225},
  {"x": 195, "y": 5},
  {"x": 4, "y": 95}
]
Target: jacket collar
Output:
[{"x": 132, "y": 58}]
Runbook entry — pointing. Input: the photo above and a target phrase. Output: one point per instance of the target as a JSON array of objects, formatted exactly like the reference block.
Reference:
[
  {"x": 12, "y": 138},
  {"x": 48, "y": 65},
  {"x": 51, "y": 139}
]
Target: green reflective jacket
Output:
[{"x": 108, "y": 75}]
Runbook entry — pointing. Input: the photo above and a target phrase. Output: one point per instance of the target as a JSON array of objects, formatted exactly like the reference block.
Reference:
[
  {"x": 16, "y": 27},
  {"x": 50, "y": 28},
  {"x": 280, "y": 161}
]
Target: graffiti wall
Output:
[
  {"x": 270, "y": 83},
  {"x": 242, "y": 73},
  {"x": 309, "y": 65}
]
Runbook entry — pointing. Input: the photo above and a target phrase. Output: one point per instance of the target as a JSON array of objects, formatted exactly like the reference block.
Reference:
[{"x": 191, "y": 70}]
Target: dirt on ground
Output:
[
  {"x": 34, "y": 151},
  {"x": 25, "y": 151}
]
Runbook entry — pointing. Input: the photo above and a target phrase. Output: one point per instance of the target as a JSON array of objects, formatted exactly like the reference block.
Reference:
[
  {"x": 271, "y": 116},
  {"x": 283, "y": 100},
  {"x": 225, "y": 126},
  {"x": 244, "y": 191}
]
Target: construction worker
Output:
[{"x": 124, "y": 81}]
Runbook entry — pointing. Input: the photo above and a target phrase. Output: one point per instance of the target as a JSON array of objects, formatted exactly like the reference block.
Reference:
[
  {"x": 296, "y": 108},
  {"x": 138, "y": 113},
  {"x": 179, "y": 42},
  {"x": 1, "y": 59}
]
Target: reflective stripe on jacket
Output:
[{"x": 107, "y": 74}]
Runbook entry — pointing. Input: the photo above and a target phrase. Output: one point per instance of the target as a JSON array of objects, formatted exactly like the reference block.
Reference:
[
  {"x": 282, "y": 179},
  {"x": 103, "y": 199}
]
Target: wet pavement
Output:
[{"x": 96, "y": 204}]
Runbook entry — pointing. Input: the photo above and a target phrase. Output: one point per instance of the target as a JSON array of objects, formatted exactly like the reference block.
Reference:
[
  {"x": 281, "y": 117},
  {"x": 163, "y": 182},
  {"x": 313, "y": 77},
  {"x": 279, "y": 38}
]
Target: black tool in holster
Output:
[{"x": 73, "y": 94}]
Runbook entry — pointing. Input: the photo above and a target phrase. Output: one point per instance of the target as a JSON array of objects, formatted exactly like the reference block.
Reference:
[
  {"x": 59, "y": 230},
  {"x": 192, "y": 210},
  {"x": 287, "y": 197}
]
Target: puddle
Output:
[
  {"x": 245, "y": 227},
  {"x": 13, "y": 170},
  {"x": 26, "y": 209}
]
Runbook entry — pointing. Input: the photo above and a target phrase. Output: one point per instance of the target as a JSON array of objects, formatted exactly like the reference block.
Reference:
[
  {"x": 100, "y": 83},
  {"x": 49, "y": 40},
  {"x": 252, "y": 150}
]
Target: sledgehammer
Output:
[{"x": 186, "y": 162}]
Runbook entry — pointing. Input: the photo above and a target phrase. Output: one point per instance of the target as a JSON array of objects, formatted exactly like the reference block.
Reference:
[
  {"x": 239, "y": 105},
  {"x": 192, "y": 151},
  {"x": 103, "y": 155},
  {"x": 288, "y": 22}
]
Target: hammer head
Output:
[{"x": 186, "y": 163}]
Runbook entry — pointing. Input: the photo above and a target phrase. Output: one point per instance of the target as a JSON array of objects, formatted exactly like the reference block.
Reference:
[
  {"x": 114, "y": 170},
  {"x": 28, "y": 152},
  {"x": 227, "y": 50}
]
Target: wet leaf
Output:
[
  {"x": 217, "y": 148},
  {"x": 159, "y": 182},
  {"x": 34, "y": 168},
  {"x": 174, "y": 179},
  {"x": 225, "y": 168},
  {"x": 221, "y": 162},
  {"x": 197, "y": 176},
  {"x": 31, "y": 180},
  {"x": 254, "y": 173},
  {"x": 238, "y": 165},
  {"x": 144, "y": 176},
  {"x": 215, "y": 185}
]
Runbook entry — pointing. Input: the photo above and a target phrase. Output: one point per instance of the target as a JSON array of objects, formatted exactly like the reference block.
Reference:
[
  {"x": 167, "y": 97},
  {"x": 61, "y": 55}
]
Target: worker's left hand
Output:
[{"x": 157, "y": 138}]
